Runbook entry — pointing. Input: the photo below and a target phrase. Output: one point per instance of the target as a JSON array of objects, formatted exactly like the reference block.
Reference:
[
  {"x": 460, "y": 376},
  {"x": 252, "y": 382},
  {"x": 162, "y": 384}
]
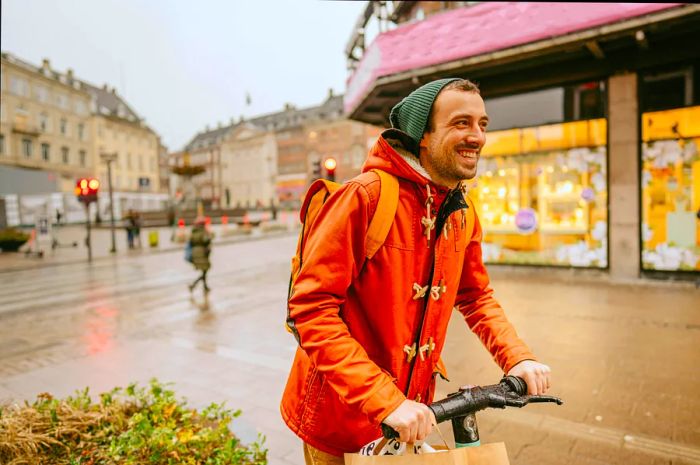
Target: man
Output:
[{"x": 371, "y": 330}]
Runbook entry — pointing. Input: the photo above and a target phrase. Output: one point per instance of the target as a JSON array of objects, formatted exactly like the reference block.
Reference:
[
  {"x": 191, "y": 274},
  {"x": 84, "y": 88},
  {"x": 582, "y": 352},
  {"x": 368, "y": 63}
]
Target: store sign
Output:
[
  {"x": 588, "y": 194},
  {"x": 526, "y": 220}
]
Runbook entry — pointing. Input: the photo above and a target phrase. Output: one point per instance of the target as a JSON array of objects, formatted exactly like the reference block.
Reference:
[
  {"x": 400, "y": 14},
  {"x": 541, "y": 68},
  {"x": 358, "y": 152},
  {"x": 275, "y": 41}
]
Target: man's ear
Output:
[{"x": 424, "y": 143}]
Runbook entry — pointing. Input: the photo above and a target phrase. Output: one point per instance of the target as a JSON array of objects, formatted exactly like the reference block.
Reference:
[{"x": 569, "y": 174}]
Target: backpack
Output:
[{"x": 319, "y": 191}]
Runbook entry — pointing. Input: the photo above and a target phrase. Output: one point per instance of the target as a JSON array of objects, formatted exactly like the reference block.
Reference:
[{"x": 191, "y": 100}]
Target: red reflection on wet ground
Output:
[{"x": 100, "y": 330}]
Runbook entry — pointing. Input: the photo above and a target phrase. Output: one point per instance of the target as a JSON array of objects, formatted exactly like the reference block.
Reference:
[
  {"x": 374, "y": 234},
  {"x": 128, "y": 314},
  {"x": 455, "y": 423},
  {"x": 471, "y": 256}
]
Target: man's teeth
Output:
[{"x": 467, "y": 153}]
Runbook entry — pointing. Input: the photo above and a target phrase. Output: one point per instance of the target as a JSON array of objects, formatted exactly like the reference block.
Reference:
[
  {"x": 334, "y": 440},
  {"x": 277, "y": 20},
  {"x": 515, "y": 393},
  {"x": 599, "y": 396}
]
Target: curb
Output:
[{"x": 234, "y": 240}]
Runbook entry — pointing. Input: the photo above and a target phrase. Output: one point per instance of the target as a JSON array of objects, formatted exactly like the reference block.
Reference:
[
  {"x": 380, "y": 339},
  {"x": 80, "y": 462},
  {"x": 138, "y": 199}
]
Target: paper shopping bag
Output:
[{"x": 487, "y": 454}]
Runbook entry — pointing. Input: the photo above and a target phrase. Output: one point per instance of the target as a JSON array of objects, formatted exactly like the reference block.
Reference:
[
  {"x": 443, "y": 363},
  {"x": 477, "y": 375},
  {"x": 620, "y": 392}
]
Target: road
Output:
[{"x": 624, "y": 357}]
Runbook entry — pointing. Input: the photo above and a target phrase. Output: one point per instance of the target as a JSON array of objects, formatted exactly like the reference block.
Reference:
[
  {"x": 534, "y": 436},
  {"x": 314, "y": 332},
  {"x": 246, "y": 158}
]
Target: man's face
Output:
[{"x": 450, "y": 152}]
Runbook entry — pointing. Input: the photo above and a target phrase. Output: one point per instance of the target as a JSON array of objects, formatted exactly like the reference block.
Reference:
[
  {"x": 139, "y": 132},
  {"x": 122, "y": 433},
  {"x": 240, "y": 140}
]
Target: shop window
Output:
[
  {"x": 541, "y": 195},
  {"x": 588, "y": 101},
  {"x": 670, "y": 185},
  {"x": 662, "y": 91},
  {"x": 527, "y": 109}
]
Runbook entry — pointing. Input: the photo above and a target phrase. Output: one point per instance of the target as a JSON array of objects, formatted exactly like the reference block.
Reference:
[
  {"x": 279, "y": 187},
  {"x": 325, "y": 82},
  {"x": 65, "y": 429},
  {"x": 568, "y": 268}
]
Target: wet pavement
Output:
[{"x": 624, "y": 357}]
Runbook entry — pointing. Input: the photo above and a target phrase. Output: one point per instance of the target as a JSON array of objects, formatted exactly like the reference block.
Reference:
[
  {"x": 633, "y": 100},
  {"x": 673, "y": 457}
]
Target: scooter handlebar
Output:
[{"x": 509, "y": 392}]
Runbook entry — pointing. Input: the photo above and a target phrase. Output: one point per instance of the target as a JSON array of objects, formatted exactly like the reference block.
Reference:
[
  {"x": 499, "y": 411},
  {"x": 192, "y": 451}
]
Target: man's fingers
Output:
[
  {"x": 412, "y": 420},
  {"x": 535, "y": 374},
  {"x": 531, "y": 381}
]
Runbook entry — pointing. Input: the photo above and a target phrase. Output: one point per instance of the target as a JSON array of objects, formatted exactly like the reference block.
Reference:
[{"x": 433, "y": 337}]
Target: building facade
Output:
[
  {"x": 303, "y": 137},
  {"x": 204, "y": 150},
  {"x": 53, "y": 129},
  {"x": 44, "y": 126},
  {"x": 592, "y": 156},
  {"x": 344, "y": 140},
  {"x": 249, "y": 167},
  {"x": 118, "y": 131}
]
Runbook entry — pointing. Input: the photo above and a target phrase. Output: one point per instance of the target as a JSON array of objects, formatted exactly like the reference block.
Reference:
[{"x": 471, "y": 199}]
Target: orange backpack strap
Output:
[
  {"x": 314, "y": 198},
  {"x": 384, "y": 214},
  {"x": 378, "y": 229}
]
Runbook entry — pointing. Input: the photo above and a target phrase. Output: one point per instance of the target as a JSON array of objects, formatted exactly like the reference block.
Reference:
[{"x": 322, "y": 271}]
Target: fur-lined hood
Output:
[{"x": 394, "y": 153}]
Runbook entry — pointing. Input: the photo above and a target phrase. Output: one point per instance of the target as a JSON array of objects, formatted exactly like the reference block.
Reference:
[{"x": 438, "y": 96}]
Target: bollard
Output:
[{"x": 153, "y": 238}]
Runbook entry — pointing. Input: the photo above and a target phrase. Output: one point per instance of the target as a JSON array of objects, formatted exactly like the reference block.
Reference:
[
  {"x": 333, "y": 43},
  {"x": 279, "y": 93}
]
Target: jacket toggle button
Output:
[
  {"x": 427, "y": 347},
  {"x": 410, "y": 352},
  {"x": 437, "y": 291},
  {"x": 420, "y": 291}
]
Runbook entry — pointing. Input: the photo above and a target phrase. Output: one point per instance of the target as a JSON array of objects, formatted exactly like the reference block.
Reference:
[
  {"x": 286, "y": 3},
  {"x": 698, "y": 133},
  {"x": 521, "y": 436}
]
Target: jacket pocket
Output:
[{"x": 439, "y": 370}]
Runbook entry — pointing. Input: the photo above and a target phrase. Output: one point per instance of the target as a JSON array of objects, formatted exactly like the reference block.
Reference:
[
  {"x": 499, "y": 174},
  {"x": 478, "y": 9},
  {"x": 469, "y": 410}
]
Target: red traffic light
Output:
[
  {"x": 86, "y": 189},
  {"x": 330, "y": 164}
]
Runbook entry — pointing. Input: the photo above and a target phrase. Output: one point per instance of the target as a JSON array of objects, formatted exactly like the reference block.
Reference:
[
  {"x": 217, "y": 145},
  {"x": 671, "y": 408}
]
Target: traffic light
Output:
[
  {"x": 316, "y": 169},
  {"x": 86, "y": 189},
  {"x": 330, "y": 164}
]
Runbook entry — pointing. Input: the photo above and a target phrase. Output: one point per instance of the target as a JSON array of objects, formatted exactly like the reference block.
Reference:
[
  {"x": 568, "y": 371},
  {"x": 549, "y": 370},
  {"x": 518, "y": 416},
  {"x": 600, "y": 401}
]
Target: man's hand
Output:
[
  {"x": 535, "y": 374},
  {"x": 412, "y": 420}
]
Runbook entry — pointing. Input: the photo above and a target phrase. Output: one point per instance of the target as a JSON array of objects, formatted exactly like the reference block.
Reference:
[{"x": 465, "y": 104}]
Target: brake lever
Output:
[{"x": 522, "y": 401}]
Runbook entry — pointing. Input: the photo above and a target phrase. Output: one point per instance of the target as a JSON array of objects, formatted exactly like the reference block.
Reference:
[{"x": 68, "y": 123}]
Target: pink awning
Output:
[{"x": 479, "y": 29}]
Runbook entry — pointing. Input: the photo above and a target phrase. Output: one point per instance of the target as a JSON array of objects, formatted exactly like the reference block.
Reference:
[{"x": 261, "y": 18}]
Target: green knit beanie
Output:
[{"x": 410, "y": 115}]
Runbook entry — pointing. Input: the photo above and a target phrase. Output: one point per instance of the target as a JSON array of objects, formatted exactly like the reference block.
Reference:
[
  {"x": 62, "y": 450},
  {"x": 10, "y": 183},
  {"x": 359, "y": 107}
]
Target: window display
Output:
[
  {"x": 541, "y": 195},
  {"x": 670, "y": 185}
]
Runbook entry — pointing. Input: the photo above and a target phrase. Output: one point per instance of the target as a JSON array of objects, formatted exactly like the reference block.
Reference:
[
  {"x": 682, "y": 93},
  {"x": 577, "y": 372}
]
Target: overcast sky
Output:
[{"x": 183, "y": 64}]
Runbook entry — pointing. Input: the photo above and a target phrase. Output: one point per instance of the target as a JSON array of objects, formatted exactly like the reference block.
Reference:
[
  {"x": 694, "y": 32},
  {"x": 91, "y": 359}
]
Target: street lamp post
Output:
[{"x": 109, "y": 158}]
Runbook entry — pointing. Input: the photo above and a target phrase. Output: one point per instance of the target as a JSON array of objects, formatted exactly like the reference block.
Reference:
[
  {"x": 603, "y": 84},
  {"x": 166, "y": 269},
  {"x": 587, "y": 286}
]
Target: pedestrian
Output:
[
  {"x": 371, "y": 331},
  {"x": 129, "y": 226},
  {"x": 200, "y": 243},
  {"x": 59, "y": 216},
  {"x": 136, "y": 227}
]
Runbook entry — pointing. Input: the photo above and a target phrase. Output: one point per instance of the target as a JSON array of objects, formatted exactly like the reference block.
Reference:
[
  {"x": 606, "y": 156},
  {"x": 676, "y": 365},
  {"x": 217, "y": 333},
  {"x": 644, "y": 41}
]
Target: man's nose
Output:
[{"x": 476, "y": 136}]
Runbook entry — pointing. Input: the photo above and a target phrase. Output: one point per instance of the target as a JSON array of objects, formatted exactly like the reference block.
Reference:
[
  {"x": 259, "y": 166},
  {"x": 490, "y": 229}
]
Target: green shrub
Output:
[
  {"x": 11, "y": 239},
  {"x": 129, "y": 425}
]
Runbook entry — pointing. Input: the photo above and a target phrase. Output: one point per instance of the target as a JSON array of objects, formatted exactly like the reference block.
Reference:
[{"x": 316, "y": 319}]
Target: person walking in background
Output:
[
  {"x": 133, "y": 228},
  {"x": 200, "y": 245},
  {"x": 129, "y": 225},
  {"x": 136, "y": 225}
]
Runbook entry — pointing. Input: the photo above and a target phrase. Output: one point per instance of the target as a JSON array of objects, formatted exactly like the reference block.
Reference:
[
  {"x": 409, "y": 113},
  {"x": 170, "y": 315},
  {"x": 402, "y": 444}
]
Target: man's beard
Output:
[{"x": 447, "y": 166}]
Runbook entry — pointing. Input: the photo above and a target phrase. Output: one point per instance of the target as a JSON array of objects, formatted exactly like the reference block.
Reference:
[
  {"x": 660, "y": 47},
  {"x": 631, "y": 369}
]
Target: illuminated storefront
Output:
[
  {"x": 670, "y": 185},
  {"x": 541, "y": 194}
]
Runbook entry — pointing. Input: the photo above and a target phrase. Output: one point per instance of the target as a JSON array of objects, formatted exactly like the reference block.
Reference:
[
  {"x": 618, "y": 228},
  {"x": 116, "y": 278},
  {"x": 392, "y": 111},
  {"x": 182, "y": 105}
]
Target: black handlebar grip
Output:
[
  {"x": 388, "y": 432},
  {"x": 515, "y": 384}
]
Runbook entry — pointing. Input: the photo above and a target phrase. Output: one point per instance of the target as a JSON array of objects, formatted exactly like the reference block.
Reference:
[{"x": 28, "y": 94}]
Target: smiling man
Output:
[{"x": 371, "y": 331}]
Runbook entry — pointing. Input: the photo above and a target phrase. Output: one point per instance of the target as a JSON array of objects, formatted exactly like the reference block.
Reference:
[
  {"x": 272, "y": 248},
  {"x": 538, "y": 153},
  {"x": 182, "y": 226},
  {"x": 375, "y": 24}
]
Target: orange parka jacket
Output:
[{"x": 371, "y": 330}]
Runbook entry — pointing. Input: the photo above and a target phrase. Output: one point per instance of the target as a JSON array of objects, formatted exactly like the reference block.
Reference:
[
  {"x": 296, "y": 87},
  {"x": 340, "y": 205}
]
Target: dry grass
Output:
[{"x": 32, "y": 432}]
